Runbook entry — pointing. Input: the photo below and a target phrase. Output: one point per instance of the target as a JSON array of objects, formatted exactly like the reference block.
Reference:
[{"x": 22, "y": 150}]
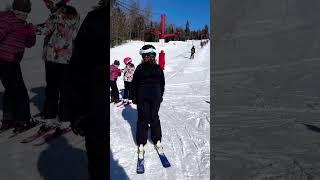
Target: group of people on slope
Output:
[
  {"x": 145, "y": 85},
  {"x": 115, "y": 72}
]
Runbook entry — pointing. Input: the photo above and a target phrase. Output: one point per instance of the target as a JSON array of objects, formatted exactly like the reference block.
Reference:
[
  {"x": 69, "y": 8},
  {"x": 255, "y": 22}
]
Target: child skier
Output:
[
  {"x": 148, "y": 88},
  {"x": 115, "y": 72},
  {"x": 60, "y": 30},
  {"x": 15, "y": 35},
  {"x": 127, "y": 77}
]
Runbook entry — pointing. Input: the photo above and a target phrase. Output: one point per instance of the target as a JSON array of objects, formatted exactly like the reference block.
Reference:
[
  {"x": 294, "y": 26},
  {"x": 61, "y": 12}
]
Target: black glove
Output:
[
  {"x": 77, "y": 127},
  {"x": 134, "y": 101}
]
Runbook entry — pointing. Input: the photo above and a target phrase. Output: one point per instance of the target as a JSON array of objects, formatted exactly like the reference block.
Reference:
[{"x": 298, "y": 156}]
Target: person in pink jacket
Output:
[
  {"x": 15, "y": 35},
  {"x": 115, "y": 72}
]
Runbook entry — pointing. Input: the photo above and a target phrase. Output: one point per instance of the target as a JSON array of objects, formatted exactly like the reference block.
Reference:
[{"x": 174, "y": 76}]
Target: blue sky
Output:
[{"x": 179, "y": 11}]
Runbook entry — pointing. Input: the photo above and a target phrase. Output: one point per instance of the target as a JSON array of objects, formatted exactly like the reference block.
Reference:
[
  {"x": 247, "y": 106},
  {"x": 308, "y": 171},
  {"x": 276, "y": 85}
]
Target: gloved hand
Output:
[
  {"x": 134, "y": 101},
  {"x": 77, "y": 127}
]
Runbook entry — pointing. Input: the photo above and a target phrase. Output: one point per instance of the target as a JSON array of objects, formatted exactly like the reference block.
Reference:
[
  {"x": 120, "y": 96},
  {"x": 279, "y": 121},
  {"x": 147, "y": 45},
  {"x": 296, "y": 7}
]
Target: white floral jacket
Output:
[{"x": 60, "y": 30}]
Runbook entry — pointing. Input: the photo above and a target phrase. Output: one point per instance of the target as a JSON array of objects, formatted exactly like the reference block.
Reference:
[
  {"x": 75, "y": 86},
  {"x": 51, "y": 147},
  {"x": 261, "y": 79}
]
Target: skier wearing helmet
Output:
[
  {"x": 60, "y": 31},
  {"x": 127, "y": 77},
  {"x": 115, "y": 72},
  {"x": 148, "y": 88}
]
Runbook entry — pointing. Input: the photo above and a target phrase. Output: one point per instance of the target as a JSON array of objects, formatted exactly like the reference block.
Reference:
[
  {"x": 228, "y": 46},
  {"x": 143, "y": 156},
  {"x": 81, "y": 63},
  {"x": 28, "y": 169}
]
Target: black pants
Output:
[
  {"x": 97, "y": 153},
  {"x": 114, "y": 90},
  {"x": 96, "y": 125},
  {"x": 16, "y": 100},
  {"x": 192, "y": 56},
  {"x": 148, "y": 114},
  {"x": 57, "y": 100},
  {"x": 127, "y": 90}
]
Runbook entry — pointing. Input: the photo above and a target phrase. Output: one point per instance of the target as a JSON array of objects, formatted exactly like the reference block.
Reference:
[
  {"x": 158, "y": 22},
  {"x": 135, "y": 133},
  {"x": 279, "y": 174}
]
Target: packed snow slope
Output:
[
  {"x": 184, "y": 116},
  {"x": 266, "y": 81}
]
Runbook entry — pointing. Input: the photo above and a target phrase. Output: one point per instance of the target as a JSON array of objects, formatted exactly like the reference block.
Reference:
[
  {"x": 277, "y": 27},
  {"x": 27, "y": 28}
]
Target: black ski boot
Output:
[
  {"x": 24, "y": 126},
  {"x": 6, "y": 124},
  {"x": 116, "y": 101}
]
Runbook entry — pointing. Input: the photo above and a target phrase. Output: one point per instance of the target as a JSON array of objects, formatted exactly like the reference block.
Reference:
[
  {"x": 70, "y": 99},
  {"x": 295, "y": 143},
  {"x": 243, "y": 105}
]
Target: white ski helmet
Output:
[{"x": 148, "y": 49}]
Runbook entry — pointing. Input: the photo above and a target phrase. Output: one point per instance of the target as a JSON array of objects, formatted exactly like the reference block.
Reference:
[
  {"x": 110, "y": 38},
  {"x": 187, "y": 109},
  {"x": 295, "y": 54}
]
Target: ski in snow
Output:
[
  {"x": 164, "y": 161},
  {"x": 49, "y": 137},
  {"x": 140, "y": 166},
  {"x": 140, "y": 163},
  {"x": 42, "y": 131},
  {"x": 123, "y": 103}
]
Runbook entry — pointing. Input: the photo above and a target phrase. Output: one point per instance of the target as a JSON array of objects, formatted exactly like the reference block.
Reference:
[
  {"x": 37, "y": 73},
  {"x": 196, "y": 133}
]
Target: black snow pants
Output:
[
  {"x": 58, "y": 101},
  {"x": 148, "y": 109},
  {"x": 96, "y": 129},
  {"x": 15, "y": 99},
  {"x": 127, "y": 90},
  {"x": 97, "y": 156},
  {"x": 192, "y": 56},
  {"x": 114, "y": 90}
]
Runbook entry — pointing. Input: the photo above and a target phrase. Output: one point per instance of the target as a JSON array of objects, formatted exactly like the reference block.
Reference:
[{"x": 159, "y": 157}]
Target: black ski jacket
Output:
[
  {"x": 148, "y": 82},
  {"x": 89, "y": 65}
]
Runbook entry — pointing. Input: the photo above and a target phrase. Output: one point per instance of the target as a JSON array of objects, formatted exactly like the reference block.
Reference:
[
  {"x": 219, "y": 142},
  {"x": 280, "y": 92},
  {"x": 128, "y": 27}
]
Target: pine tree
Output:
[{"x": 187, "y": 30}]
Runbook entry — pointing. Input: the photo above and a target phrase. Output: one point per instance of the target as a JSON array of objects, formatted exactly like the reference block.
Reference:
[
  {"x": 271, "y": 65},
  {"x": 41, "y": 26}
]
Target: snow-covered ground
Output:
[{"x": 184, "y": 116}]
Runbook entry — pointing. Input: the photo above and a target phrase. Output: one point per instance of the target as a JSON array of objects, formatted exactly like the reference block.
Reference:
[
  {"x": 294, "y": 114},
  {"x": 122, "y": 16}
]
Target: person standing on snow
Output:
[
  {"x": 148, "y": 87},
  {"x": 15, "y": 35},
  {"x": 60, "y": 31},
  {"x": 115, "y": 72},
  {"x": 193, "y": 50},
  {"x": 127, "y": 77}
]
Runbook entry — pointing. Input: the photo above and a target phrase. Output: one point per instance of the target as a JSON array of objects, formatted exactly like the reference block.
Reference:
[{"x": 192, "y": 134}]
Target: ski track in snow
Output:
[{"x": 184, "y": 116}]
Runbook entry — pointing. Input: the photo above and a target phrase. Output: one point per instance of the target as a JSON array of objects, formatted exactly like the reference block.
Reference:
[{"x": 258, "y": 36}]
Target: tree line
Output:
[{"x": 131, "y": 22}]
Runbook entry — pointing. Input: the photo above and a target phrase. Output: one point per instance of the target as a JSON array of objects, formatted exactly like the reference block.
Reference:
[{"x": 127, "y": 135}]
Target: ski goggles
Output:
[
  {"x": 147, "y": 51},
  {"x": 151, "y": 54}
]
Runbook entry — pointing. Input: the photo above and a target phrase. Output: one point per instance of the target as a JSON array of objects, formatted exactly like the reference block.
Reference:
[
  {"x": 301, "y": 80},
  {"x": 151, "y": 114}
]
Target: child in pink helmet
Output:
[{"x": 127, "y": 77}]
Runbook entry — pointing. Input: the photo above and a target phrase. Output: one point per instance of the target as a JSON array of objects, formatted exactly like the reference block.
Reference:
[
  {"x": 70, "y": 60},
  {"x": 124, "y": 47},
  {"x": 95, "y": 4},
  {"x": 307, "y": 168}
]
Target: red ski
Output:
[
  {"x": 41, "y": 132},
  {"x": 51, "y": 136}
]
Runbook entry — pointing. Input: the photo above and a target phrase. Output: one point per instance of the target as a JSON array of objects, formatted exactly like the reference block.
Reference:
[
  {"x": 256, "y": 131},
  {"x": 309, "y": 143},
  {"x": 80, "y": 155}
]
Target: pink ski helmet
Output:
[{"x": 127, "y": 60}]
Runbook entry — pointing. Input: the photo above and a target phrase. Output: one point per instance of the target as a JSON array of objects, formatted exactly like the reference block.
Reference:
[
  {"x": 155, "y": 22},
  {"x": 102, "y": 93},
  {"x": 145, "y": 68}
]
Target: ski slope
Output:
[{"x": 184, "y": 116}]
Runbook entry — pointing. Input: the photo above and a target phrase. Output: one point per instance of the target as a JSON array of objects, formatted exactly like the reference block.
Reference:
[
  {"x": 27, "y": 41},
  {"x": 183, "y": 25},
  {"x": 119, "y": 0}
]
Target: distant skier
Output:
[
  {"x": 193, "y": 50},
  {"x": 115, "y": 72},
  {"x": 60, "y": 30},
  {"x": 127, "y": 77},
  {"x": 15, "y": 35},
  {"x": 148, "y": 88}
]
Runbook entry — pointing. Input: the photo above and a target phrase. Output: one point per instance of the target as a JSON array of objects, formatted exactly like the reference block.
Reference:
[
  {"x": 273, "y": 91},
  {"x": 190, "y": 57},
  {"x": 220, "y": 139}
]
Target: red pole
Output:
[{"x": 162, "y": 59}]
